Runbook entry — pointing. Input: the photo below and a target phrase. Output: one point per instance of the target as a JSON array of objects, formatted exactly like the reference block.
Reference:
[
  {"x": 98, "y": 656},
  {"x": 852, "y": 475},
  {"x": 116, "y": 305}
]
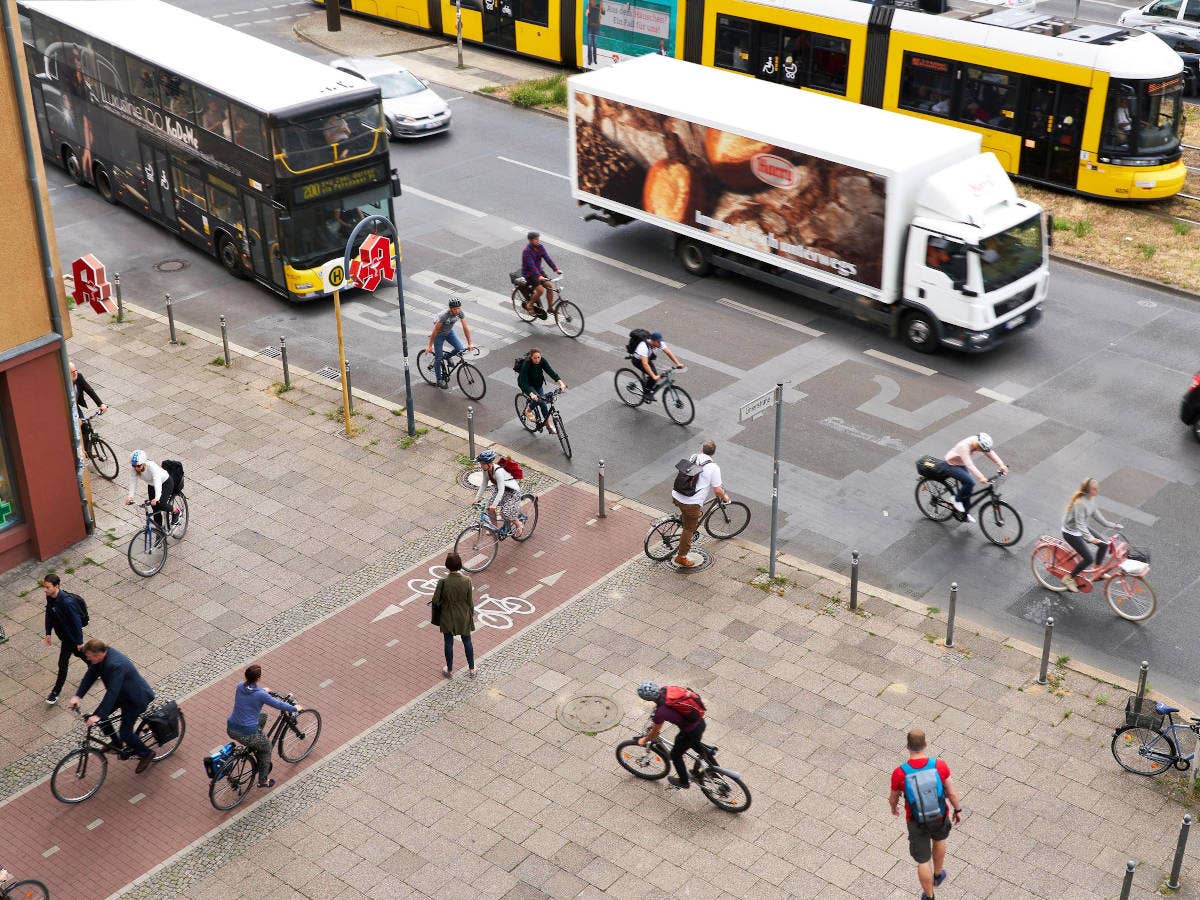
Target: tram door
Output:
[
  {"x": 499, "y": 24},
  {"x": 1053, "y": 132}
]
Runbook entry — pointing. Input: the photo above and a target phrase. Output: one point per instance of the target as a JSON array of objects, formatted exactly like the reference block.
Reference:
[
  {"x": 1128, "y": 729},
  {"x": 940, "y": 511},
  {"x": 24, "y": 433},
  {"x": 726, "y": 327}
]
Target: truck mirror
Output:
[
  {"x": 395, "y": 183},
  {"x": 958, "y": 285}
]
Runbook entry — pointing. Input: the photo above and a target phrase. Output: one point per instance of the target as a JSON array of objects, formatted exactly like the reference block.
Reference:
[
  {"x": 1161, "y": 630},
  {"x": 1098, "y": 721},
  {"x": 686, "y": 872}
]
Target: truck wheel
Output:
[
  {"x": 919, "y": 332},
  {"x": 694, "y": 257}
]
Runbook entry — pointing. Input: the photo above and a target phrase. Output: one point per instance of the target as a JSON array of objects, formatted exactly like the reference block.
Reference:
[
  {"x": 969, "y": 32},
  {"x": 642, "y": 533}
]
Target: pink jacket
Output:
[{"x": 960, "y": 455}]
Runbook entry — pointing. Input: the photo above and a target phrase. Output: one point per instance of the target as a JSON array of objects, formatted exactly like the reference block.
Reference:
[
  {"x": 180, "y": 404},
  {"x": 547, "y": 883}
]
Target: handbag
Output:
[{"x": 435, "y": 617}]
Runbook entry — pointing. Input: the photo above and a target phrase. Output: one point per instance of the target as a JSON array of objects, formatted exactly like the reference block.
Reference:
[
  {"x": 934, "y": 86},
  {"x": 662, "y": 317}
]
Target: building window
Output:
[
  {"x": 10, "y": 502},
  {"x": 927, "y": 85}
]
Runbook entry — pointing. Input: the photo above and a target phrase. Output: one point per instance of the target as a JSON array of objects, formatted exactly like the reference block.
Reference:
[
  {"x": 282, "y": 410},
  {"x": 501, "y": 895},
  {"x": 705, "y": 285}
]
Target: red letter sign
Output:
[
  {"x": 91, "y": 286},
  {"x": 374, "y": 263}
]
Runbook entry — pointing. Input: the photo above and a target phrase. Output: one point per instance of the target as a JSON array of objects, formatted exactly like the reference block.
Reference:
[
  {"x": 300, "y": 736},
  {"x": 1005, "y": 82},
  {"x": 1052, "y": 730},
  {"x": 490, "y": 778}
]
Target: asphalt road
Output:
[{"x": 1093, "y": 391}]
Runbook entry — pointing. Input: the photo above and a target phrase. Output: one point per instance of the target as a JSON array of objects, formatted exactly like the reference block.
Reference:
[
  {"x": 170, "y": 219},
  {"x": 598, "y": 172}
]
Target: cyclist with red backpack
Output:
[
  {"x": 505, "y": 476},
  {"x": 681, "y": 707}
]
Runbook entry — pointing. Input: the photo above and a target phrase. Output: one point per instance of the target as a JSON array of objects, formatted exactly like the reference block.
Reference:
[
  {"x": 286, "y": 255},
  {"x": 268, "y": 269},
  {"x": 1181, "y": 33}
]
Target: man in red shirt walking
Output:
[{"x": 926, "y": 840}]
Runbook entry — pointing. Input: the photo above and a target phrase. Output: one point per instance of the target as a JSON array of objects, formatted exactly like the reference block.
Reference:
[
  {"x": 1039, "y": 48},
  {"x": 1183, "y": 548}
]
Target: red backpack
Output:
[
  {"x": 686, "y": 702},
  {"x": 512, "y": 467}
]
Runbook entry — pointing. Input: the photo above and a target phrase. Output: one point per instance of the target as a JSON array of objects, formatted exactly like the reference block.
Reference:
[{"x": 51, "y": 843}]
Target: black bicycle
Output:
[
  {"x": 148, "y": 548},
  {"x": 470, "y": 380},
  {"x": 28, "y": 889},
  {"x": 97, "y": 450},
  {"x": 723, "y": 787},
  {"x": 81, "y": 772},
  {"x": 524, "y": 406},
  {"x": 1000, "y": 523},
  {"x": 567, "y": 316},
  {"x": 721, "y": 520},
  {"x": 232, "y": 769},
  {"x": 631, "y": 388}
]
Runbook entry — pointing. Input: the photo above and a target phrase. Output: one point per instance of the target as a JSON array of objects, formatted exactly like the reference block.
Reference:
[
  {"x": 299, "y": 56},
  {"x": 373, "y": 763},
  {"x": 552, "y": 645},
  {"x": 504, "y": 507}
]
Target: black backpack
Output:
[
  {"x": 81, "y": 608},
  {"x": 688, "y": 474},
  {"x": 174, "y": 468},
  {"x": 636, "y": 337},
  {"x": 518, "y": 362}
]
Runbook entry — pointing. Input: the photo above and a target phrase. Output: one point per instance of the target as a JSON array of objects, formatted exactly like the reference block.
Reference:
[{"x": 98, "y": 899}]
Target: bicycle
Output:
[
  {"x": 1151, "y": 743},
  {"x": 29, "y": 889},
  {"x": 98, "y": 452},
  {"x": 470, "y": 380},
  {"x": 231, "y": 779},
  {"x": 631, "y": 389},
  {"x": 999, "y": 522},
  {"x": 723, "y": 787},
  {"x": 721, "y": 520},
  {"x": 147, "y": 553},
  {"x": 1123, "y": 573},
  {"x": 523, "y": 404},
  {"x": 477, "y": 544},
  {"x": 567, "y": 316},
  {"x": 81, "y": 772}
]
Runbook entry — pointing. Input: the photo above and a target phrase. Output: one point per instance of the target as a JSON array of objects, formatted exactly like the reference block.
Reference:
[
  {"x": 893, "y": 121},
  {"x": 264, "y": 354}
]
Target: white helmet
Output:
[{"x": 985, "y": 441}]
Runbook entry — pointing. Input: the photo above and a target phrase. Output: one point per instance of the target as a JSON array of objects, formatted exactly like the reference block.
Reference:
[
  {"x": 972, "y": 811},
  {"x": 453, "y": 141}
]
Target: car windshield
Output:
[
  {"x": 1012, "y": 254},
  {"x": 398, "y": 84},
  {"x": 318, "y": 233},
  {"x": 1144, "y": 118},
  {"x": 327, "y": 139}
]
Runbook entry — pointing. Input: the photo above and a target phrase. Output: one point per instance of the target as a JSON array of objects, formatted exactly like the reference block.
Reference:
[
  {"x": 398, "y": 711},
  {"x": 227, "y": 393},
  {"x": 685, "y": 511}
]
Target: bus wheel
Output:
[
  {"x": 693, "y": 256},
  {"x": 227, "y": 251},
  {"x": 104, "y": 184},
  {"x": 72, "y": 165},
  {"x": 919, "y": 332}
]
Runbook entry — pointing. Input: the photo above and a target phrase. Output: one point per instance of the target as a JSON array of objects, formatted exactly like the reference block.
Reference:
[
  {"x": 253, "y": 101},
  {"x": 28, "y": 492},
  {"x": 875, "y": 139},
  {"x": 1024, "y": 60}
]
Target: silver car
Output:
[
  {"x": 410, "y": 106},
  {"x": 1181, "y": 12}
]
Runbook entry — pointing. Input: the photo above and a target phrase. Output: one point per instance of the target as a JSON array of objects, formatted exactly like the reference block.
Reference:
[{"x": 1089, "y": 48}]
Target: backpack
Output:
[
  {"x": 688, "y": 475},
  {"x": 81, "y": 608},
  {"x": 164, "y": 721},
  {"x": 512, "y": 467},
  {"x": 929, "y": 467},
  {"x": 174, "y": 468},
  {"x": 518, "y": 362},
  {"x": 636, "y": 337},
  {"x": 686, "y": 702},
  {"x": 925, "y": 793}
]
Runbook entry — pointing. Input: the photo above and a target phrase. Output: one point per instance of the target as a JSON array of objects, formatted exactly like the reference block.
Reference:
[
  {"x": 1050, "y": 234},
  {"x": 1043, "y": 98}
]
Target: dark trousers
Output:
[
  {"x": 258, "y": 742},
  {"x": 685, "y": 741},
  {"x": 164, "y": 503},
  {"x": 65, "y": 651},
  {"x": 1083, "y": 547},
  {"x": 125, "y": 734},
  {"x": 966, "y": 483},
  {"x": 468, "y": 647}
]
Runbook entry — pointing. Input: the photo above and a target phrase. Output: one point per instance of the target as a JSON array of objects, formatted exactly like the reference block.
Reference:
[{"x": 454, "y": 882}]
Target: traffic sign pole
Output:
[
  {"x": 337, "y": 317},
  {"x": 775, "y": 473}
]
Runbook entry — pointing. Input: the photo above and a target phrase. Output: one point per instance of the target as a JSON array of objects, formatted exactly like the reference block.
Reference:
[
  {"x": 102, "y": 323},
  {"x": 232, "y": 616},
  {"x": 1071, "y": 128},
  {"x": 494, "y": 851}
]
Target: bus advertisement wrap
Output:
[
  {"x": 758, "y": 196},
  {"x": 613, "y": 31}
]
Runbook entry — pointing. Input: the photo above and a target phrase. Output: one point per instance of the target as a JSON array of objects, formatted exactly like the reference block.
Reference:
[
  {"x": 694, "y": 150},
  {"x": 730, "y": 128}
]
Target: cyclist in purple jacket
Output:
[{"x": 531, "y": 269}]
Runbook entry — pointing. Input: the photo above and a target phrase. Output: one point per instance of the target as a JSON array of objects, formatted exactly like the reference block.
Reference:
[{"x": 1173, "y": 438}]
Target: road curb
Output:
[{"x": 1097, "y": 269}]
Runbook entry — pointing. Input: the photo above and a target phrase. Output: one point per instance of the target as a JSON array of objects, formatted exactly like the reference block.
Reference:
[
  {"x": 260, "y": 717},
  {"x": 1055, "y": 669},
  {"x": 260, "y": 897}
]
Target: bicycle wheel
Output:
[
  {"x": 1143, "y": 751},
  {"x": 521, "y": 402},
  {"x": 1000, "y": 523},
  {"x": 678, "y": 404},
  {"x": 563, "y": 440},
  {"x": 569, "y": 318},
  {"x": 727, "y": 520},
  {"x": 78, "y": 775},
  {"x": 629, "y": 387},
  {"x": 1043, "y": 561},
  {"x": 663, "y": 538},
  {"x": 1130, "y": 597},
  {"x": 476, "y": 547},
  {"x": 724, "y": 790},
  {"x": 299, "y": 735},
  {"x": 471, "y": 382},
  {"x": 227, "y": 789},
  {"x": 527, "y": 511},
  {"x": 425, "y": 367},
  {"x": 518, "y": 303},
  {"x": 649, "y": 762},
  {"x": 933, "y": 499},
  {"x": 162, "y": 751},
  {"x": 179, "y": 529},
  {"x": 103, "y": 460},
  {"x": 27, "y": 890},
  {"x": 148, "y": 560}
]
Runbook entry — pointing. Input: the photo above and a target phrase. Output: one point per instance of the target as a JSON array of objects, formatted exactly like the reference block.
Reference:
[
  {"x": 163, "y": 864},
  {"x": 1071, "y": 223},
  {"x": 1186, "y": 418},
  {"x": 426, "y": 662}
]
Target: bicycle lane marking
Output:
[{"x": 388, "y": 629}]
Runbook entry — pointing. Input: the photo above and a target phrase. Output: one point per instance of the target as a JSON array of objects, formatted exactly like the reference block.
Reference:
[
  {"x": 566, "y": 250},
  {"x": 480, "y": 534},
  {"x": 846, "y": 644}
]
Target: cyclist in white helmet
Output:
[
  {"x": 160, "y": 490},
  {"x": 960, "y": 466}
]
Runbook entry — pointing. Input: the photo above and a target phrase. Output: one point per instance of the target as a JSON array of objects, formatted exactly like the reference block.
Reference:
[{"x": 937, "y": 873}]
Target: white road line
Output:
[
  {"x": 897, "y": 361},
  {"x": 565, "y": 537},
  {"x": 94, "y": 824},
  {"x": 221, "y": 15},
  {"x": 994, "y": 395},
  {"x": 177, "y": 773},
  {"x": 137, "y": 798},
  {"x": 509, "y": 571},
  {"x": 455, "y": 97},
  {"x": 262, "y": 21},
  {"x": 770, "y": 317},
  {"x": 422, "y": 624},
  {"x": 516, "y": 162},
  {"x": 539, "y": 553},
  {"x": 260, "y": 9},
  {"x": 392, "y": 643},
  {"x": 433, "y": 198},
  {"x": 590, "y": 522},
  {"x": 326, "y": 683},
  {"x": 616, "y": 263},
  {"x": 46, "y": 854},
  {"x": 357, "y": 663}
]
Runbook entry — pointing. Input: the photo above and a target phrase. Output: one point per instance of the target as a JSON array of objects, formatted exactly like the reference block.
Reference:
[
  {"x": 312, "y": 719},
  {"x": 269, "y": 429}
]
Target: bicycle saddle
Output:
[
  {"x": 1162, "y": 709},
  {"x": 708, "y": 748}
]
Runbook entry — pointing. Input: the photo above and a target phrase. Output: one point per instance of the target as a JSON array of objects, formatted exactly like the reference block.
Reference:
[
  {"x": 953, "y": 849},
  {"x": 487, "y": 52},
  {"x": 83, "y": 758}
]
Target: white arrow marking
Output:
[
  {"x": 551, "y": 580},
  {"x": 390, "y": 610}
]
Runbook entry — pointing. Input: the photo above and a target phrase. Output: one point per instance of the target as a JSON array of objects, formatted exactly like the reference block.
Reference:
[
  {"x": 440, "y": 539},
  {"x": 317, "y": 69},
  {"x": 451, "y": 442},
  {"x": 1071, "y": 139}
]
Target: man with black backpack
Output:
[
  {"x": 696, "y": 477},
  {"x": 643, "y": 347},
  {"x": 681, "y": 707},
  {"x": 929, "y": 800},
  {"x": 66, "y": 615}
]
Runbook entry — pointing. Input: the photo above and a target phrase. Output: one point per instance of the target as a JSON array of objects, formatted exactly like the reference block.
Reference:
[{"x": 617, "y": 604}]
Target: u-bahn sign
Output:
[
  {"x": 91, "y": 285},
  {"x": 374, "y": 263}
]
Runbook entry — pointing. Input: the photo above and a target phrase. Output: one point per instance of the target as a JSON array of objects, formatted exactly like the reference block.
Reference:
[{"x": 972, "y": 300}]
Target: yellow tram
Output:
[{"x": 1083, "y": 106}]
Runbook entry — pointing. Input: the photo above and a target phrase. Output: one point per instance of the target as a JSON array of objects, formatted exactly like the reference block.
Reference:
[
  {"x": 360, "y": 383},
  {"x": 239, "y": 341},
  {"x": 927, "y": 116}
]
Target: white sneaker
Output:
[
  {"x": 970, "y": 518},
  {"x": 958, "y": 507}
]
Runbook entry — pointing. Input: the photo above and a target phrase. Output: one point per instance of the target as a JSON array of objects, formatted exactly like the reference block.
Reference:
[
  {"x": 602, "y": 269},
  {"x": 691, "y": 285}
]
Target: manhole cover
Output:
[
  {"x": 590, "y": 713},
  {"x": 470, "y": 478},
  {"x": 700, "y": 558},
  {"x": 171, "y": 265}
]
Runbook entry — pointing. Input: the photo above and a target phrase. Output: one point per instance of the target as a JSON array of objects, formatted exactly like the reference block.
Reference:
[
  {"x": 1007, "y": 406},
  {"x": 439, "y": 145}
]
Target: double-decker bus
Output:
[{"x": 248, "y": 151}]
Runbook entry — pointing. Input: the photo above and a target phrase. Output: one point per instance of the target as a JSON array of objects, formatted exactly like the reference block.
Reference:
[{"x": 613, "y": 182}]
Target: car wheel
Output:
[{"x": 919, "y": 332}]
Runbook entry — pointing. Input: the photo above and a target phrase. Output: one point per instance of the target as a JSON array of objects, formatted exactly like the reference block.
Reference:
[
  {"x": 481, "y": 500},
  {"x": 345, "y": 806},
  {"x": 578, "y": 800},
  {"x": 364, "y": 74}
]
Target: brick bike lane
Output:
[{"x": 356, "y": 667}]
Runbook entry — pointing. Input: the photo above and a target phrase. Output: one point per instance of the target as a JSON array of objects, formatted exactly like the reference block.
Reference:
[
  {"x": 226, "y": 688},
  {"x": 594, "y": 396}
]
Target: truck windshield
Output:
[{"x": 1012, "y": 254}]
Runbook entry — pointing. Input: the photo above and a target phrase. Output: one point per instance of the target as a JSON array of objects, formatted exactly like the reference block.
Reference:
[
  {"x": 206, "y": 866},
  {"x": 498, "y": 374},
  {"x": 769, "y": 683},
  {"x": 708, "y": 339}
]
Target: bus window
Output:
[
  {"x": 45, "y": 34},
  {"x": 830, "y": 62},
  {"x": 535, "y": 11},
  {"x": 927, "y": 85},
  {"x": 249, "y": 132},
  {"x": 212, "y": 112},
  {"x": 26, "y": 29},
  {"x": 176, "y": 95},
  {"x": 319, "y": 232},
  {"x": 142, "y": 80},
  {"x": 305, "y": 145},
  {"x": 989, "y": 98},
  {"x": 733, "y": 44},
  {"x": 190, "y": 188},
  {"x": 224, "y": 205}
]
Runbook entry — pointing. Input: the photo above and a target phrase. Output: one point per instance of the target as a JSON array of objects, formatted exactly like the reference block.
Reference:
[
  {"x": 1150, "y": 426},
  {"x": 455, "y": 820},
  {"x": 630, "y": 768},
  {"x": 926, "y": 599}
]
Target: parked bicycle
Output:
[
  {"x": 232, "y": 768},
  {"x": 97, "y": 450},
  {"x": 470, "y": 380},
  {"x": 723, "y": 787},
  {"x": 1000, "y": 523},
  {"x": 1123, "y": 573},
  {"x": 721, "y": 520},
  {"x": 1150, "y": 743},
  {"x": 523, "y": 404},
  {"x": 29, "y": 889},
  {"x": 477, "y": 544},
  {"x": 567, "y": 316},
  {"x": 677, "y": 402},
  {"x": 81, "y": 772},
  {"x": 148, "y": 547}
]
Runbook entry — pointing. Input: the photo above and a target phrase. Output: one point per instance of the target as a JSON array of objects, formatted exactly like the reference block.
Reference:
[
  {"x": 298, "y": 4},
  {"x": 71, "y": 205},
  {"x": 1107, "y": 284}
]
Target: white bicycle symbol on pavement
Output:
[{"x": 490, "y": 612}]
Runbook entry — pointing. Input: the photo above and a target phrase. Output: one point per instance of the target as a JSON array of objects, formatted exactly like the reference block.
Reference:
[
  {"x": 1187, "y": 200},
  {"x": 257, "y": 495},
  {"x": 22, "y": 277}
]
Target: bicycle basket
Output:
[
  {"x": 215, "y": 762},
  {"x": 516, "y": 278},
  {"x": 1142, "y": 715},
  {"x": 1139, "y": 554}
]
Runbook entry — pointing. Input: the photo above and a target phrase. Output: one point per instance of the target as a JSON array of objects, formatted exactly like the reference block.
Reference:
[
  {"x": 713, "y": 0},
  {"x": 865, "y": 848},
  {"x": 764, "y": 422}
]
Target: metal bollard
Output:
[
  {"x": 1173, "y": 882},
  {"x": 1128, "y": 884},
  {"x": 1141, "y": 687},
  {"x": 287, "y": 375},
  {"x": 1046, "y": 650},
  {"x": 349, "y": 389},
  {"x": 3, "y": 636},
  {"x": 600, "y": 481},
  {"x": 225, "y": 340},
  {"x": 853, "y": 579},
  {"x": 471, "y": 432},
  {"x": 950, "y": 617},
  {"x": 120, "y": 302},
  {"x": 171, "y": 318}
]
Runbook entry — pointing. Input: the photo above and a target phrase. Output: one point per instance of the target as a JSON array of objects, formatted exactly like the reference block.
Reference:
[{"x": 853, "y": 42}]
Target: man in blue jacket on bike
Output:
[{"x": 124, "y": 689}]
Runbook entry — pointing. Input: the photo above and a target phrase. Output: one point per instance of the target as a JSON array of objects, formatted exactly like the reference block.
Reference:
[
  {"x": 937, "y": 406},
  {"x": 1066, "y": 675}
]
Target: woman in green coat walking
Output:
[{"x": 454, "y": 601}]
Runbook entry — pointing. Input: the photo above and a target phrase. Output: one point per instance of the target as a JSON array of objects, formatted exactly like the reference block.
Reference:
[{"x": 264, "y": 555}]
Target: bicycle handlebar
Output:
[{"x": 89, "y": 418}]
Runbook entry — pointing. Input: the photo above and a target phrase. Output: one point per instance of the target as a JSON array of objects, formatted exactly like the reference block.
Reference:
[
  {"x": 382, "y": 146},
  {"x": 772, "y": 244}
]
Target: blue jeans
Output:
[
  {"x": 448, "y": 642},
  {"x": 966, "y": 484},
  {"x": 591, "y": 46},
  {"x": 541, "y": 403},
  {"x": 438, "y": 353}
]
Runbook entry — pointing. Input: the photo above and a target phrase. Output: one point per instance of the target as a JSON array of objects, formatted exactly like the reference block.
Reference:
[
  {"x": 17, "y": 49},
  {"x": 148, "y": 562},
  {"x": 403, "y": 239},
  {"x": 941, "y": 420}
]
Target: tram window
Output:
[
  {"x": 927, "y": 85},
  {"x": 830, "y": 62},
  {"x": 733, "y": 44},
  {"x": 795, "y": 57},
  {"x": 767, "y": 57},
  {"x": 989, "y": 98},
  {"x": 535, "y": 11}
]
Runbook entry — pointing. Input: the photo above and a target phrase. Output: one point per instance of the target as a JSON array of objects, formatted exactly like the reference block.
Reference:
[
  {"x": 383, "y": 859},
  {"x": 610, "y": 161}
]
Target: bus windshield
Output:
[
  {"x": 319, "y": 232},
  {"x": 1012, "y": 254},
  {"x": 326, "y": 138},
  {"x": 1144, "y": 118}
]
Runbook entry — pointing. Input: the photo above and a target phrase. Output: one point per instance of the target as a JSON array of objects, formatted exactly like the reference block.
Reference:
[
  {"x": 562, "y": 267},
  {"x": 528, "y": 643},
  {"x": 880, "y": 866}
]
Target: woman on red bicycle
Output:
[{"x": 1075, "y": 531}]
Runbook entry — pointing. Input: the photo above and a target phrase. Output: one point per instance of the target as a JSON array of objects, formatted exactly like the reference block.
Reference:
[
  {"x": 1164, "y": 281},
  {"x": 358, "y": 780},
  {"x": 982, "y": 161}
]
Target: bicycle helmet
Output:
[
  {"x": 138, "y": 458},
  {"x": 985, "y": 441},
  {"x": 532, "y": 235},
  {"x": 649, "y": 690},
  {"x": 455, "y": 303},
  {"x": 487, "y": 456}
]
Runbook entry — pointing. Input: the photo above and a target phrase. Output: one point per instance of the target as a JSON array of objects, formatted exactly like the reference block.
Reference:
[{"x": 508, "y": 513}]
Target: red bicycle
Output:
[{"x": 1122, "y": 572}]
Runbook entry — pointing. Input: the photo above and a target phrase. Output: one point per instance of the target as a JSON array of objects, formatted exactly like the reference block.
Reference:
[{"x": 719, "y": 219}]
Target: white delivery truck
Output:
[{"x": 894, "y": 219}]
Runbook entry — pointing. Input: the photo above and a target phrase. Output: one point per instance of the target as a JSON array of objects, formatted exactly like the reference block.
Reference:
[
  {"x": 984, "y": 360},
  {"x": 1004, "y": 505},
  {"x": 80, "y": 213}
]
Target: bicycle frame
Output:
[
  {"x": 694, "y": 757},
  {"x": 452, "y": 359},
  {"x": 1067, "y": 557},
  {"x": 1171, "y": 728},
  {"x": 485, "y": 519}
]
